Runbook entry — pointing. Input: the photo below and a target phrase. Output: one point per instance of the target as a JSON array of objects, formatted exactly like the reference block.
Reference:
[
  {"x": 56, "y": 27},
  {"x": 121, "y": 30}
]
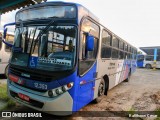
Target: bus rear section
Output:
[{"x": 140, "y": 60}]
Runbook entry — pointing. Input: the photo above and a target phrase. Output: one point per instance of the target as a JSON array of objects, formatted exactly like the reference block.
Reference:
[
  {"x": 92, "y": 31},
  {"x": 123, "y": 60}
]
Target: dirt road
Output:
[{"x": 141, "y": 93}]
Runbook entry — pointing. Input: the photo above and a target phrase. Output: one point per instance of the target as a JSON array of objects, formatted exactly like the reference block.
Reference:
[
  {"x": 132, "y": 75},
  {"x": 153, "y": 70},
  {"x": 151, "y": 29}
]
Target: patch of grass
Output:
[
  {"x": 157, "y": 112},
  {"x": 131, "y": 111},
  {"x": 8, "y": 105},
  {"x": 3, "y": 92},
  {"x": 4, "y": 97}
]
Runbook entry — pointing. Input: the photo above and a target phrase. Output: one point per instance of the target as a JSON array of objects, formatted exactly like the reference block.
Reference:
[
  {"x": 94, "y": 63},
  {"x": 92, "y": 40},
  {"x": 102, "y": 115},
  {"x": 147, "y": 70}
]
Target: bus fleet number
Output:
[{"x": 40, "y": 86}]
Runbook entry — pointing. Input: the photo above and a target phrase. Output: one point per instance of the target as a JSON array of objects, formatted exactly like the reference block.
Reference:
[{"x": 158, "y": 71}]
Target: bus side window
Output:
[
  {"x": 0, "y": 42},
  {"x": 115, "y": 53},
  {"x": 149, "y": 58},
  {"x": 158, "y": 58},
  {"x": 115, "y": 42},
  {"x": 121, "y": 55},
  {"x": 125, "y": 55},
  {"x": 87, "y": 58},
  {"x": 106, "y": 45},
  {"x": 9, "y": 39},
  {"x": 115, "y": 48}
]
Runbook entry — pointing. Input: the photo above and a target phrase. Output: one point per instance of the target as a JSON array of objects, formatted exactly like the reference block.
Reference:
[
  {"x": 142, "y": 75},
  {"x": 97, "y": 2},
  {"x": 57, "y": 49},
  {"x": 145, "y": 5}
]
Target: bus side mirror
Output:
[
  {"x": 5, "y": 33},
  {"x": 90, "y": 43}
]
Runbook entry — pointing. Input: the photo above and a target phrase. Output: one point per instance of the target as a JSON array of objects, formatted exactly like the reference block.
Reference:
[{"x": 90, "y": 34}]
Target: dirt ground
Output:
[{"x": 141, "y": 93}]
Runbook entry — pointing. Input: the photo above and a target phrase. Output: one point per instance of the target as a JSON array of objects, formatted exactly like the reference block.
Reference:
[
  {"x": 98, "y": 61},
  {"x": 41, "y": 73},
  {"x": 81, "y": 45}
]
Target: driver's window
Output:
[
  {"x": 87, "y": 58},
  {"x": 0, "y": 41},
  {"x": 9, "y": 39}
]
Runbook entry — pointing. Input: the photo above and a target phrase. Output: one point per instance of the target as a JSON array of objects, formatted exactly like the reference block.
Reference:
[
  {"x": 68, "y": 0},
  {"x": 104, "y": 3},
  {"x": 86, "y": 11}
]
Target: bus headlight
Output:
[
  {"x": 50, "y": 93},
  {"x": 60, "y": 90}
]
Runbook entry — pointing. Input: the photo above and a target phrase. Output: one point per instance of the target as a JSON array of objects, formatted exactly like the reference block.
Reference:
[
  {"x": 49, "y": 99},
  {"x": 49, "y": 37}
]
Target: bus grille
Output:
[{"x": 37, "y": 77}]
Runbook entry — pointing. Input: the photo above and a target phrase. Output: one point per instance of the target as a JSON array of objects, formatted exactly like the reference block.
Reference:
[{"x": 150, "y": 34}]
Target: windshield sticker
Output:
[
  {"x": 33, "y": 62},
  {"x": 54, "y": 61}
]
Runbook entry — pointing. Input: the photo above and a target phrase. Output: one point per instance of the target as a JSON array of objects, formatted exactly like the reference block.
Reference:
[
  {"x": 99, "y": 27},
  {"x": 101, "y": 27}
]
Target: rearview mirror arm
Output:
[
  {"x": 4, "y": 36},
  {"x": 9, "y": 24}
]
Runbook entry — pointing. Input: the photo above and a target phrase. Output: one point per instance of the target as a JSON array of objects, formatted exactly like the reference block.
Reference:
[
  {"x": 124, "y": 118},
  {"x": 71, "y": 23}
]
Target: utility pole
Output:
[{"x": 155, "y": 59}]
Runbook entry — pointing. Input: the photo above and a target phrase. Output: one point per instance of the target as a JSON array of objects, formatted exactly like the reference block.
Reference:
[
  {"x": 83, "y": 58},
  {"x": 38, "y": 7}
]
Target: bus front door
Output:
[{"x": 86, "y": 87}]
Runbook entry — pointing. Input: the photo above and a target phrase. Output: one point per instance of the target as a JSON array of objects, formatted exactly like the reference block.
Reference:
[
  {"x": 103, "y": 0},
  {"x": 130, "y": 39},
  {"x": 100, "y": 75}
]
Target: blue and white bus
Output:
[
  {"x": 147, "y": 61},
  {"x": 63, "y": 58}
]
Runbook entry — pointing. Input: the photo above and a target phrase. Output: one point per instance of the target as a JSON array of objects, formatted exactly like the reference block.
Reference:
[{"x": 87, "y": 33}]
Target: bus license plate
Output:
[{"x": 24, "y": 97}]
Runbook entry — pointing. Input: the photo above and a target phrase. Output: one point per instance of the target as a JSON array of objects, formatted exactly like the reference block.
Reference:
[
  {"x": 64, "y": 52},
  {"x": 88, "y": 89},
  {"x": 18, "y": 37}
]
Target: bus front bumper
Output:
[{"x": 60, "y": 105}]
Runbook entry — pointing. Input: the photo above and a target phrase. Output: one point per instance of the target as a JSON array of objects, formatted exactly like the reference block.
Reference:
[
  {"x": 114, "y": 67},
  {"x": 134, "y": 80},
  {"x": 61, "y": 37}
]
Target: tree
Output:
[{"x": 139, "y": 52}]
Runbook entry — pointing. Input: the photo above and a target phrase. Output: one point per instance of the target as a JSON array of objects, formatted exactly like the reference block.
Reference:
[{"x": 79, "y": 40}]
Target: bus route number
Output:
[{"x": 40, "y": 86}]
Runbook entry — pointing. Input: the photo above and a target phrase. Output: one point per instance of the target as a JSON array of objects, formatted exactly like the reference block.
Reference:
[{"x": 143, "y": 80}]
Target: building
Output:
[{"x": 9, "y": 5}]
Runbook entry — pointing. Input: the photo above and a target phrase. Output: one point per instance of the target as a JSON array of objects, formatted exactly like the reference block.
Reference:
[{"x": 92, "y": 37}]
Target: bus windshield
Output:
[
  {"x": 53, "y": 49},
  {"x": 140, "y": 58}
]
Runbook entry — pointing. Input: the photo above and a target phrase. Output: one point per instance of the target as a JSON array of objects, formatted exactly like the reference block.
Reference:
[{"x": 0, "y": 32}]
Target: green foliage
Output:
[
  {"x": 3, "y": 92},
  {"x": 131, "y": 111},
  {"x": 139, "y": 52},
  {"x": 157, "y": 112},
  {"x": 4, "y": 97}
]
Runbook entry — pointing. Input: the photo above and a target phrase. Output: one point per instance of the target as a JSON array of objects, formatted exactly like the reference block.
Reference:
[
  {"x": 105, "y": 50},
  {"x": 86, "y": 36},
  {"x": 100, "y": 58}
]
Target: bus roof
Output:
[{"x": 83, "y": 11}]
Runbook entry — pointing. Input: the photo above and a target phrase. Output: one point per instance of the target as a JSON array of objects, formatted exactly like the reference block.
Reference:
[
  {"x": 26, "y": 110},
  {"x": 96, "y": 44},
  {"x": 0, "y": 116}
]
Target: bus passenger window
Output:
[
  {"x": 106, "y": 43},
  {"x": 149, "y": 58},
  {"x": 125, "y": 55},
  {"x": 106, "y": 52},
  {"x": 158, "y": 58},
  {"x": 126, "y": 47},
  {"x": 121, "y": 55},
  {"x": 115, "y": 42},
  {"x": 121, "y": 45},
  {"x": 0, "y": 42},
  {"x": 128, "y": 56},
  {"x": 114, "y": 53}
]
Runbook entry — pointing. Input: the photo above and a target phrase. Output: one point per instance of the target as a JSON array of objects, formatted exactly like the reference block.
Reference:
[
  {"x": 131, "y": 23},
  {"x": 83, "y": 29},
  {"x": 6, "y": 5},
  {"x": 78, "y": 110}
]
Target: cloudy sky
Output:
[{"x": 136, "y": 21}]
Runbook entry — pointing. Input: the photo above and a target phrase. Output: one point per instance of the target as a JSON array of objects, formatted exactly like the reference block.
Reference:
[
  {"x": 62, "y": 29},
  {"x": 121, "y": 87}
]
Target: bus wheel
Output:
[
  {"x": 101, "y": 90},
  {"x": 129, "y": 76},
  {"x": 148, "y": 66},
  {"x": 6, "y": 71}
]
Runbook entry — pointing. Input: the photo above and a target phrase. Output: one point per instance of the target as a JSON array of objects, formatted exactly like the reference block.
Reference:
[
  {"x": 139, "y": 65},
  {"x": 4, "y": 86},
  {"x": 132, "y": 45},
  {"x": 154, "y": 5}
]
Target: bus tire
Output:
[
  {"x": 106, "y": 79},
  {"x": 101, "y": 91},
  {"x": 6, "y": 71},
  {"x": 128, "y": 78},
  {"x": 148, "y": 66}
]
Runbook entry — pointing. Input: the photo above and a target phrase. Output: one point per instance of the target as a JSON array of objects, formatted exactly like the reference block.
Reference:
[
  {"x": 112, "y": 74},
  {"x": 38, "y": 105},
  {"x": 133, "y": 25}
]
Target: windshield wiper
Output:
[
  {"x": 41, "y": 33},
  {"x": 33, "y": 39}
]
